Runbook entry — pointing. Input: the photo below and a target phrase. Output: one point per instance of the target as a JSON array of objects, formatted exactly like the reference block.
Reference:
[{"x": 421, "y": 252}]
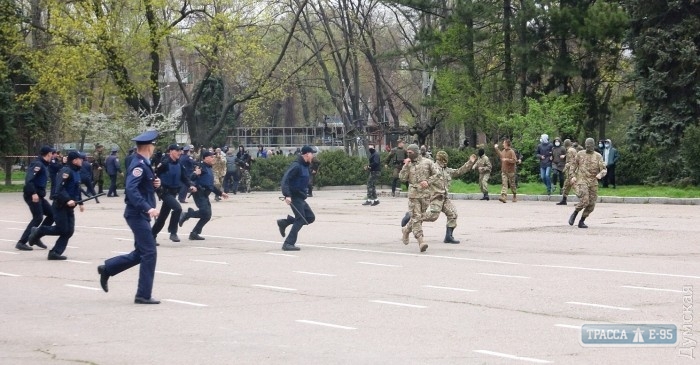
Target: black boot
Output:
[
  {"x": 282, "y": 225},
  {"x": 311, "y": 191},
  {"x": 563, "y": 201},
  {"x": 448, "y": 236},
  {"x": 406, "y": 218},
  {"x": 486, "y": 196},
  {"x": 581, "y": 224},
  {"x": 573, "y": 217}
]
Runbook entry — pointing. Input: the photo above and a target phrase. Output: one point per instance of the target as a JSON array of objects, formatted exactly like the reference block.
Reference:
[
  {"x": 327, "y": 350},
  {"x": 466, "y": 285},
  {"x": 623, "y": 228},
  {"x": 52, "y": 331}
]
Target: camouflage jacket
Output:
[
  {"x": 440, "y": 182},
  {"x": 422, "y": 169},
  {"x": 483, "y": 165},
  {"x": 570, "y": 156},
  {"x": 588, "y": 168},
  {"x": 219, "y": 166}
]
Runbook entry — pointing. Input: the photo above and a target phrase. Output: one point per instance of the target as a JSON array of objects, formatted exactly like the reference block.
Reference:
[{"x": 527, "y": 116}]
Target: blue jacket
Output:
[
  {"x": 36, "y": 177},
  {"x": 67, "y": 185},
  {"x": 295, "y": 182},
  {"x": 112, "y": 165},
  {"x": 375, "y": 163},
  {"x": 172, "y": 174},
  {"x": 205, "y": 181},
  {"x": 139, "y": 194}
]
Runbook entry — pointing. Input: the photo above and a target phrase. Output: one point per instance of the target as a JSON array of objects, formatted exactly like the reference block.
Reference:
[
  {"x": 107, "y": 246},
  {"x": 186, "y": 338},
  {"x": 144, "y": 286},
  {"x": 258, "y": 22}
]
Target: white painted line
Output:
[
  {"x": 69, "y": 246},
  {"x": 513, "y": 357},
  {"x": 242, "y": 239},
  {"x": 325, "y": 324},
  {"x": 280, "y": 254},
  {"x": 620, "y": 271},
  {"x": 212, "y": 262},
  {"x": 399, "y": 304},
  {"x": 273, "y": 287},
  {"x": 168, "y": 273},
  {"x": 205, "y": 248},
  {"x": 6, "y": 240},
  {"x": 121, "y": 252},
  {"x": 601, "y": 306},
  {"x": 78, "y": 262},
  {"x": 123, "y": 239},
  {"x": 15, "y": 229},
  {"x": 8, "y": 274},
  {"x": 183, "y": 302},
  {"x": 9, "y": 252},
  {"x": 504, "y": 276},
  {"x": 567, "y": 326},
  {"x": 83, "y": 287},
  {"x": 647, "y": 288},
  {"x": 448, "y": 288},
  {"x": 313, "y": 273},
  {"x": 376, "y": 264}
]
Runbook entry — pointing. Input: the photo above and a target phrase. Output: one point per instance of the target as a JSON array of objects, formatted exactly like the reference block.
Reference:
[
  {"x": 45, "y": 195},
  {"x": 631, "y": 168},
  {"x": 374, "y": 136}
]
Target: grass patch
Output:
[{"x": 621, "y": 191}]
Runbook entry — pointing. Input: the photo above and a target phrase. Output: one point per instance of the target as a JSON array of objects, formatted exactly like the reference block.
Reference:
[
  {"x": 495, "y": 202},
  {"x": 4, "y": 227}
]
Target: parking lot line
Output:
[
  {"x": 168, "y": 273},
  {"x": 601, "y": 306},
  {"x": 513, "y": 357},
  {"x": 212, "y": 262},
  {"x": 376, "y": 264},
  {"x": 183, "y": 302},
  {"x": 313, "y": 273},
  {"x": 398, "y": 304},
  {"x": 620, "y": 271},
  {"x": 8, "y": 274},
  {"x": 82, "y": 287},
  {"x": 273, "y": 287},
  {"x": 448, "y": 288},
  {"x": 647, "y": 288},
  {"x": 504, "y": 276},
  {"x": 326, "y": 324}
]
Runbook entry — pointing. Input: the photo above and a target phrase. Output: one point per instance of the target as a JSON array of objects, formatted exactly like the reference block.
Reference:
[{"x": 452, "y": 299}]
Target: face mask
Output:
[
  {"x": 557, "y": 144},
  {"x": 412, "y": 156},
  {"x": 371, "y": 150},
  {"x": 607, "y": 145},
  {"x": 600, "y": 145},
  {"x": 481, "y": 153}
]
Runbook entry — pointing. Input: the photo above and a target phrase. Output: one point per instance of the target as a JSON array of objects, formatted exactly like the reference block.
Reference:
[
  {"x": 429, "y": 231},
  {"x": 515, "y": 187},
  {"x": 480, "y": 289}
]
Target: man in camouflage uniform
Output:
[
  {"x": 395, "y": 161},
  {"x": 417, "y": 171},
  {"x": 439, "y": 187},
  {"x": 98, "y": 164},
  {"x": 483, "y": 166},
  {"x": 219, "y": 170},
  {"x": 244, "y": 163},
  {"x": 313, "y": 171},
  {"x": 587, "y": 168},
  {"x": 570, "y": 156},
  {"x": 508, "y": 161}
]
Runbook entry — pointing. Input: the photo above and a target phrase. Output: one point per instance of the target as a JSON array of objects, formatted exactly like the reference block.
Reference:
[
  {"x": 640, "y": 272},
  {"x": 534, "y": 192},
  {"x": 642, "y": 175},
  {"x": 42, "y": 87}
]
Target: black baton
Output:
[{"x": 296, "y": 210}]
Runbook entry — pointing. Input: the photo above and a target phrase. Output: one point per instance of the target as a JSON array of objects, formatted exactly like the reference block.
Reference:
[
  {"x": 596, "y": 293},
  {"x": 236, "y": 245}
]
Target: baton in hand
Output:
[
  {"x": 296, "y": 211},
  {"x": 90, "y": 198}
]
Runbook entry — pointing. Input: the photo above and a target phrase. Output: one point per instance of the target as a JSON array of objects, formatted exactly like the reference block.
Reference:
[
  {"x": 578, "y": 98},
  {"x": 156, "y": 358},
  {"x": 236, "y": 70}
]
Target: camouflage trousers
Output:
[
  {"x": 567, "y": 185},
  {"x": 417, "y": 208},
  {"x": 371, "y": 184},
  {"x": 587, "y": 196},
  {"x": 508, "y": 180},
  {"x": 484, "y": 182},
  {"x": 441, "y": 203},
  {"x": 245, "y": 180}
]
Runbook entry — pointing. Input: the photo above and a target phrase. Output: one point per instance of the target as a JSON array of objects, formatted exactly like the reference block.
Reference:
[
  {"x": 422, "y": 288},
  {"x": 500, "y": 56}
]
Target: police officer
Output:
[
  {"x": 295, "y": 183},
  {"x": 34, "y": 195},
  {"x": 65, "y": 199},
  {"x": 172, "y": 177},
  {"x": 112, "y": 167},
  {"x": 203, "y": 178},
  {"x": 86, "y": 177},
  {"x": 54, "y": 167},
  {"x": 140, "y": 199},
  {"x": 187, "y": 162}
]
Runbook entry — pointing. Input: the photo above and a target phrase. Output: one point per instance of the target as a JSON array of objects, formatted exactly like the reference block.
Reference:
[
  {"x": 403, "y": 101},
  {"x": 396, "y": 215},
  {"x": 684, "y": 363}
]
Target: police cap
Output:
[
  {"x": 45, "y": 150},
  {"x": 72, "y": 155},
  {"x": 207, "y": 154},
  {"x": 146, "y": 137},
  {"x": 307, "y": 149},
  {"x": 114, "y": 149},
  {"x": 174, "y": 146}
]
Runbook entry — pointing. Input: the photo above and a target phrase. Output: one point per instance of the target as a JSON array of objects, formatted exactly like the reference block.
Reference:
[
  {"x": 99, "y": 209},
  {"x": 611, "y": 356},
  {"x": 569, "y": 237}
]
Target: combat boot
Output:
[
  {"x": 311, "y": 191},
  {"x": 406, "y": 218},
  {"x": 581, "y": 224},
  {"x": 563, "y": 201},
  {"x": 502, "y": 199},
  {"x": 283, "y": 223},
  {"x": 406, "y": 232},
  {"x": 448, "y": 236},
  {"x": 515, "y": 198},
  {"x": 485, "y": 197},
  {"x": 572, "y": 218},
  {"x": 423, "y": 246}
]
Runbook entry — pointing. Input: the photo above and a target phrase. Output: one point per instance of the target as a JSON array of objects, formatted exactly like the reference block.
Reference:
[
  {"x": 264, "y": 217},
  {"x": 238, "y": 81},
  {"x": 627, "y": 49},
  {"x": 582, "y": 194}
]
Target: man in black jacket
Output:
[
  {"x": 35, "y": 196},
  {"x": 375, "y": 171},
  {"x": 295, "y": 184}
]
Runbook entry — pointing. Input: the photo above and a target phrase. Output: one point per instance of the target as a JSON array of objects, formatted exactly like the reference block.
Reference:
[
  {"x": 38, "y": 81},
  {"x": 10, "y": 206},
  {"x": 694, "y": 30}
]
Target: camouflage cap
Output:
[{"x": 413, "y": 147}]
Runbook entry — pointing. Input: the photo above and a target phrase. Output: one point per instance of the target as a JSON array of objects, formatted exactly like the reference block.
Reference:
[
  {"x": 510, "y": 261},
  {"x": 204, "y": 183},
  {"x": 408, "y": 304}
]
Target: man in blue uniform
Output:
[
  {"x": 187, "y": 162},
  {"x": 34, "y": 196},
  {"x": 203, "y": 178},
  {"x": 112, "y": 167},
  {"x": 172, "y": 177},
  {"x": 54, "y": 167},
  {"x": 86, "y": 177},
  {"x": 140, "y": 199},
  {"x": 65, "y": 199},
  {"x": 295, "y": 183}
]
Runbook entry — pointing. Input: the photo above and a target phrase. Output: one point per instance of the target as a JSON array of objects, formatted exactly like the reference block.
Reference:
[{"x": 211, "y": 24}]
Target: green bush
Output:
[
  {"x": 690, "y": 150},
  {"x": 636, "y": 167}
]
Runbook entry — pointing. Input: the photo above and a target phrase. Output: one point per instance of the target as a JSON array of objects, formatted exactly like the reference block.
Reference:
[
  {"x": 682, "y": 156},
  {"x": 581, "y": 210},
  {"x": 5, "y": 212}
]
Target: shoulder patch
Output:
[
  {"x": 65, "y": 175},
  {"x": 37, "y": 168},
  {"x": 137, "y": 172}
]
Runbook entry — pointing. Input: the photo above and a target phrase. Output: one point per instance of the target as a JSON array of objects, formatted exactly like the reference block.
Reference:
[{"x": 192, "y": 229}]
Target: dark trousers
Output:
[
  {"x": 170, "y": 203},
  {"x": 144, "y": 253},
  {"x": 89, "y": 189},
  {"x": 64, "y": 228},
  {"x": 204, "y": 212},
  {"x": 609, "y": 178},
  {"x": 302, "y": 215},
  {"x": 39, "y": 210},
  {"x": 99, "y": 182},
  {"x": 182, "y": 195},
  {"x": 229, "y": 179},
  {"x": 558, "y": 175},
  {"x": 112, "y": 185},
  {"x": 372, "y": 184}
]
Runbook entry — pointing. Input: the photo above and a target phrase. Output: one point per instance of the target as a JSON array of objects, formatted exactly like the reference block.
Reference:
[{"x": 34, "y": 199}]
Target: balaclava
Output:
[
  {"x": 567, "y": 143},
  {"x": 415, "y": 149},
  {"x": 590, "y": 145},
  {"x": 442, "y": 158},
  {"x": 481, "y": 152}
]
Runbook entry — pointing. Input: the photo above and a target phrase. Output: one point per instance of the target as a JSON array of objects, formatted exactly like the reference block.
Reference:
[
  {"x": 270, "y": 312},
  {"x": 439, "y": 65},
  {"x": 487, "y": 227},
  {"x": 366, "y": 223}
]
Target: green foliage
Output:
[
  {"x": 690, "y": 151},
  {"x": 635, "y": 167}
]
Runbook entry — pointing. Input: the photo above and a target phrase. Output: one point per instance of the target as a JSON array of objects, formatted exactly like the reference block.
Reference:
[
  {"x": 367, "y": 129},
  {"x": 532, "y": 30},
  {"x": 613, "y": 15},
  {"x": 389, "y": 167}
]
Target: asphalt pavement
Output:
[{"x": 516, "y": 290}]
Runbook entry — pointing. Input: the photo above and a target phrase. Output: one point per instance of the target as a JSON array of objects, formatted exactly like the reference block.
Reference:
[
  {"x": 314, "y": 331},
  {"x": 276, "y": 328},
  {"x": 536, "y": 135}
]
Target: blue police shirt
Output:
[
  {"x": 68, "y": 185},
  {"x": 139, "y": 194},
  {"x": 36, "y": 178},
  {"x": 295, "y": 182}
]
